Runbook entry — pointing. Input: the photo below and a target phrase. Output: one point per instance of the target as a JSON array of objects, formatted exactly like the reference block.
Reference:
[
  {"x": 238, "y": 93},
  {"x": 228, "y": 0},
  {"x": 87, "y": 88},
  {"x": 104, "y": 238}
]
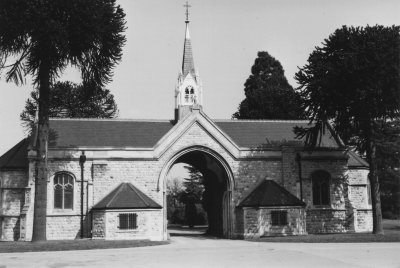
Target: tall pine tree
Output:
[
  {"x": 42, "y": 38},
  {"x": 192, "y": 195},
  {"x": 353, "y": 81},
  {"x": 268, "y": 93}
]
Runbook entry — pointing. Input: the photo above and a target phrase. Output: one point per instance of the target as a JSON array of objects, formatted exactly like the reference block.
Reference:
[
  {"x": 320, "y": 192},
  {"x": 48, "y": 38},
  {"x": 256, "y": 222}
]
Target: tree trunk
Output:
[
  {"x": 373, "y": 177},
  {"x": 40, "y": 207}
]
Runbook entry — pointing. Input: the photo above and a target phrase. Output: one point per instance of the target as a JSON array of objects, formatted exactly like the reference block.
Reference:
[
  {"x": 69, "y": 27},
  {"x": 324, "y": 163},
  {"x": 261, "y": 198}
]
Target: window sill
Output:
[
  {"x": 128, "y": 231},
  {"x": 322, "y": 207},
  {"x": 63, "y": 213},
  {"x": 326, "y": 209}
]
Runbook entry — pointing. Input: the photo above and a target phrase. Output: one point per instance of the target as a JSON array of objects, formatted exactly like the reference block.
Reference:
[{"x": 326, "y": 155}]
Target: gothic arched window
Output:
[
  {"x": 320, "y": 187},
  {"x": 63, "y": 191}
]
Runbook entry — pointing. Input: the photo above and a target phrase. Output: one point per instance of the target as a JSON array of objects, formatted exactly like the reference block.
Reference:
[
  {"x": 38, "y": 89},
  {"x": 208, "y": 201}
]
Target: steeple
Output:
[
  {"x": 187, "y": 62},
  {"x": 188, "y": 92}
]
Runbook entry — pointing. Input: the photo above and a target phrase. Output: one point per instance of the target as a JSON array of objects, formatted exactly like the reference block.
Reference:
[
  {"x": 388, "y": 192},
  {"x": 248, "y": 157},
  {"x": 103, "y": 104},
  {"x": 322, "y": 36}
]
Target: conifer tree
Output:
[
  {"x": 268, "y": 93},
  {"x": 70, "y": 100},
  {"x": 192, "y": 195},
  {"x": 353, "y": 81}
]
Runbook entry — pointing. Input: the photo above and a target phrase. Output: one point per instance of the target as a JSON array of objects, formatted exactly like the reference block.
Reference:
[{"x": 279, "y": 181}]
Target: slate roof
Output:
[
  {"x": 187, "y": 62},
  {"x": 355, "y": 161},
  {"x": 126, "y": 196},
  {"x": 266, "y": 133},
  {"x": 107, "y": 133},
  {"x": 16, "y": 157},
  {"x": 116, "y": 133},
  {"x": 270, "y": 194}
]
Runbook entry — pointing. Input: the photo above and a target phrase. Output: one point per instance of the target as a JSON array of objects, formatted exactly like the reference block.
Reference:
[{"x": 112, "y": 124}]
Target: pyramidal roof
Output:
[
  {"x": 355, "y": 161},
  {"x": 270, "y": 194},
  {"x": 16, "y": 157},
  {"x": 187, "y": 63},
  {"x": 126, "y": 196}
]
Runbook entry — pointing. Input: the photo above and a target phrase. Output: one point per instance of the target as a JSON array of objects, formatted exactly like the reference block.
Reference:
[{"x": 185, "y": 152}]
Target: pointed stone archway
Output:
[{"x": 219, "y": 186}]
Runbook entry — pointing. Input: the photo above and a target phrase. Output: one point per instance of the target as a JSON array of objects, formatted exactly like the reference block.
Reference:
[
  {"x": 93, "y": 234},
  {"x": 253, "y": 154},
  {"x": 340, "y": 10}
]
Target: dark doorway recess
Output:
[{"x": 215, "y": 180}]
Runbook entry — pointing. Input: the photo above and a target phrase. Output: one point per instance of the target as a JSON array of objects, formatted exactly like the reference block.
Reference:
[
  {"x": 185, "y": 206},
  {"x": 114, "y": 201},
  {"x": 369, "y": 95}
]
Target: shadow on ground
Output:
[{"x": 197, "y": 232}]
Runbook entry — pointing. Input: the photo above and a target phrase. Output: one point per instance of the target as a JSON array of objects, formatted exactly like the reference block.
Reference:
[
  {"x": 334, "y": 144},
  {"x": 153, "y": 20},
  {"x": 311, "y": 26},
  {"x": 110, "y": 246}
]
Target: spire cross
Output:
[{"x": 187, "y": 11}]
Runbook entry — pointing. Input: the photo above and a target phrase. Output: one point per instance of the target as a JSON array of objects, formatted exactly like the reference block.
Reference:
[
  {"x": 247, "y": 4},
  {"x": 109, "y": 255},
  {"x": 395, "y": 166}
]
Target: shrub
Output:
[
  {"x": 201, "y": 216},
  {"x": 190, "y": 214},
  {"x": 178, "y": 215}
]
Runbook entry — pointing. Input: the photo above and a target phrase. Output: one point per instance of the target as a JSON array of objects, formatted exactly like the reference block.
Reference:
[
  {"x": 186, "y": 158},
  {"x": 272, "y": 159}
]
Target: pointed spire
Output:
[{"x": 187, "y": 63}]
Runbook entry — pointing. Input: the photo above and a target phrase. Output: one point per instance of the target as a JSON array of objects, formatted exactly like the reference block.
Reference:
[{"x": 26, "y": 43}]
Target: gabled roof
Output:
[
  {"x": 270, "y": 194},
  {"x": 16, "y": 157},
  {"x": 73, "y": 133},
  {"x": 268, "y": 133},
  {"x": 121, "y": 133},
  {"x": 355, "y": 161},
  {"x": 126, "y": 196}
]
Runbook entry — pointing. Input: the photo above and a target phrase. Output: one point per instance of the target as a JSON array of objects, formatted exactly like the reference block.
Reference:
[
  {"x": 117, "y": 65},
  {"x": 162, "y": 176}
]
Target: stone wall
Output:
[
  {"x": 289, "y": 169},
  {"x": 336, "y": 217},
  {"x": 148, "y": 225},
  {"x": 65, "y": 224},
  {"x": 10, "y": 228},
  {"x": 364, "y": 221},
  {"x": 327, "y": 221},
  {"x": 12, "y": 199},
  {"x": 258, "y": 222},
  {"x": 359, "y": 200},
  {"x": 142, "y": 174},
  {"x": 63, "y": 227},
  {"x": 99, "y": 225},
  {"x": 358, "y": 196},
  {"x": 104, "y": 174},
  {"x": 14, "y": 178}
]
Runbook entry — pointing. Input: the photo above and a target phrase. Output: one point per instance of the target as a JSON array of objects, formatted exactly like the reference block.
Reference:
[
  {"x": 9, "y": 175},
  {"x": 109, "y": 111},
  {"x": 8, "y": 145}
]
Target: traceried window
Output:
[
  {"x": 189, "y": 94},
  {"x": 63, "y": 191},
  {"x": 127, "y": 221},
  {"x": 279, "y": 217},
  {"x": 320, "y": 188}
]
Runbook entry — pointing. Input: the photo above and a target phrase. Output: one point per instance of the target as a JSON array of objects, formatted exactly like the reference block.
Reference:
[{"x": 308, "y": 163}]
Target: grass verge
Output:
[
  {"x": 390, "y": 227},
  {"x": 65, "y": 245}
]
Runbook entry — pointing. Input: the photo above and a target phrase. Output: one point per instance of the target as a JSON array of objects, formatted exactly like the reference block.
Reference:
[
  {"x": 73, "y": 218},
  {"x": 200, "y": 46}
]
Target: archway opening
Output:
[{"x": 213, "y": 184}]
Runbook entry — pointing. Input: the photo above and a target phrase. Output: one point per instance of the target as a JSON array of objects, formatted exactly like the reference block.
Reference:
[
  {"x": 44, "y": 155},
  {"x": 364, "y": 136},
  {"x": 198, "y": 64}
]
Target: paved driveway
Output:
[{"x": 196, "y": 251}]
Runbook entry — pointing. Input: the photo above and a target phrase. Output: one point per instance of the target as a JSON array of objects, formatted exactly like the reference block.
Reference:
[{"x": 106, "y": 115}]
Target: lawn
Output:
[
  {"x": 391, "y": 228},
  {"x": 84, "y": 244}
]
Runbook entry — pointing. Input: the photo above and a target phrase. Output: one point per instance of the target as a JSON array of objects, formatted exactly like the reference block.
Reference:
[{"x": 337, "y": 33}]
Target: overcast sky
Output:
[{"x": 226, "y": 36}]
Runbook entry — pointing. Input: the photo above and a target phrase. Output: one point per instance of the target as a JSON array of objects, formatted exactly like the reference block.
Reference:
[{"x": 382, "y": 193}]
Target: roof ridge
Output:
[
  {"x": 118, "y": 189},
  {"x": 139, "y": 193},
  {"x": 110, "y": 119},
  {"x": 261, "y": 120}
]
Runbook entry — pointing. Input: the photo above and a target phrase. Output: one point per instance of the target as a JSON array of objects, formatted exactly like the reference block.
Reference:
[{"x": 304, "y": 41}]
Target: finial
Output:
[{"x": 187, "y": 12}]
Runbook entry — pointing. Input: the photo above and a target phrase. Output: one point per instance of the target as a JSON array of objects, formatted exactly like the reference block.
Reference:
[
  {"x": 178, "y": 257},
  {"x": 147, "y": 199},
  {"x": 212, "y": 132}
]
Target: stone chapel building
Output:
[{"x": 259, "y": 178}]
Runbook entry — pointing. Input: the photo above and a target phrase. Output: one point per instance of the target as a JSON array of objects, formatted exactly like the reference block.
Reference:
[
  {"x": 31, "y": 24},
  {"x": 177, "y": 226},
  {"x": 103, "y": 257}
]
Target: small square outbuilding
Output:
[
  {"x": 271, "y": 210},
  {"x": 127, "y": 213}
]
